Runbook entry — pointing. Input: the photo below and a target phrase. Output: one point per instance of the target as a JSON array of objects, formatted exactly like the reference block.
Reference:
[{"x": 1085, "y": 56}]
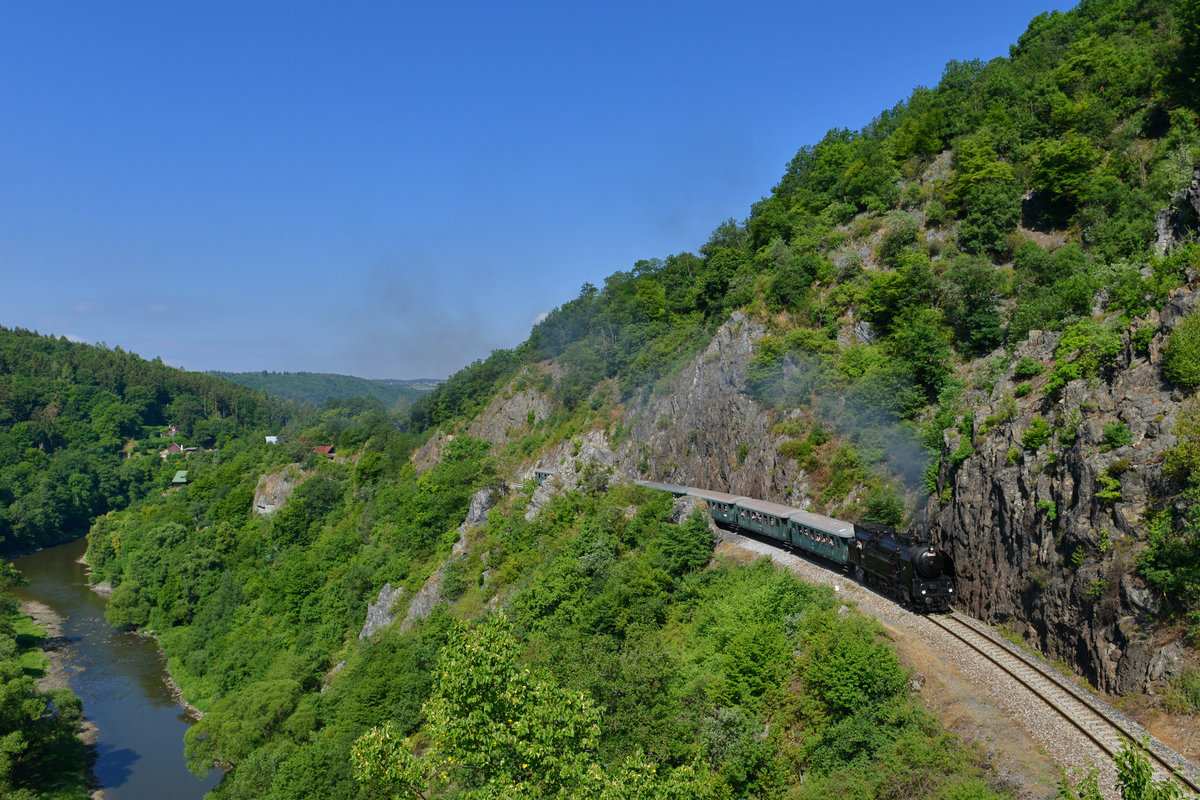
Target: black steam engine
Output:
[{"x": 899, "y": 565}]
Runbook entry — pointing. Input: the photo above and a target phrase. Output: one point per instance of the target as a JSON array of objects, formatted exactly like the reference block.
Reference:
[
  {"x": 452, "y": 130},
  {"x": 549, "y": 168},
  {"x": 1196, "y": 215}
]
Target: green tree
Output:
[
  {"x": 495, "y": 730},
  {"x": 1135, "y": 780},
  {"x": 1181, "y": 355}
]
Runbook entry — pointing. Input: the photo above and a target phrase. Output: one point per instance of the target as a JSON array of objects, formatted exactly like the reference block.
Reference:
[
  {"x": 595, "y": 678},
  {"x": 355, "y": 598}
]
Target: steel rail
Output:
[{"x": 1168, "y": 762}]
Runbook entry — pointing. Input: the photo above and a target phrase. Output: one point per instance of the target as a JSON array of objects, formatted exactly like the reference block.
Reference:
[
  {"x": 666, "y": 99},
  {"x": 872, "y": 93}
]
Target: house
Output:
[
  {"x": 171, "y": 431},
  {"x": 324, "y": 450},
  {"x": 540, "y": 474},
  {"x": 272, "y": 440},
  {"x": 170, "y": 450},
  {"x": 180, "y": 478}
]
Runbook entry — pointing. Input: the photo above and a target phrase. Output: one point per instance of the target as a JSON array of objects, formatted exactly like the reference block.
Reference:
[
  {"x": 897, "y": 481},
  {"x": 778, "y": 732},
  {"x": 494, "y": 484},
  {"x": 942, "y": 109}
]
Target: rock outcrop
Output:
[
  {"x": 1045, "y": 539},
  {"x": 510, "y": 414},
  {"x": 379, "y": 613},
  {"x": 274, "y": 490},
  {"x": 1178, "y": 222}
]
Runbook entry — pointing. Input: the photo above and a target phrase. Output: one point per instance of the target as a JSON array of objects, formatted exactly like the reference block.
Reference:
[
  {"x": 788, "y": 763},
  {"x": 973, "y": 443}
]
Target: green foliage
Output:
[
  {"x": 1117, "y": 434},
  {"x": 1135, "y": 779},
  {"x": 691, "y": 548},
  {"x": 1084, "y": 350},
  {"x": 1110, "y": 489},
  {"x": 1182, "y": 695},
  {"x": 973, "y": 305},
  {"x": 1181, "y": 355},
  {"x": 1027, "y": 368},
  {"x": 1051, "y": 288},
  {"x": 317, "y": 387},
  {"x": 986, "y": 193},
  {"x": 69, "y": 413},
  {"x": 40, "y": 754},
  {"x": 1037, "y": 434},
  {"x": 885, "y": 505},
  {"x": 1049, "y": 507},
  {"x": 496, "y": 731},
  {"x": 1061, "y": 172}
]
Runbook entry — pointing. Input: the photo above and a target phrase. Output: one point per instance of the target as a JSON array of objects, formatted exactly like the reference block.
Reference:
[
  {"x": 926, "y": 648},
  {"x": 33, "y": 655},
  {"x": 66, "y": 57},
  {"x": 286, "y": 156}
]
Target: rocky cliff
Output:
[{"x": 1045, "y": 537}]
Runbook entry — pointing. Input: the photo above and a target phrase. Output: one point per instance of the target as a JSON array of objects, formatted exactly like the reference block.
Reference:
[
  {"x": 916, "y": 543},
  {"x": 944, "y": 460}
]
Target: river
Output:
[{"x": 121, "y": 678}]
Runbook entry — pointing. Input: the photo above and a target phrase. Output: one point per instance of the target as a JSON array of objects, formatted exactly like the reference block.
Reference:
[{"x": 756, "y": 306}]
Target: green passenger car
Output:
[
  {"x": 821, "y": 535},
  {"x": 721, "y": 505}
]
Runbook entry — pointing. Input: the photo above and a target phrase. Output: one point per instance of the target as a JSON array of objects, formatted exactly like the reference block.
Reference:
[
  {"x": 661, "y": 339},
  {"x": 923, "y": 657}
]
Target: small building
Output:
[
  {"x": 170, "y": 450},
  {"x": 180, "y": 478},
  {"x": 272, "y": 440},
  {"x": 540, "y": 474},
  {"x": 324, "y": 450}
]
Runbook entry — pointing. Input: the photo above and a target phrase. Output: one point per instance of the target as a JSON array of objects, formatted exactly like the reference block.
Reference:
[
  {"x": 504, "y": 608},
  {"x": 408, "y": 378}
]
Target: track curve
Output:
[{"x": 1100, "y": 723}]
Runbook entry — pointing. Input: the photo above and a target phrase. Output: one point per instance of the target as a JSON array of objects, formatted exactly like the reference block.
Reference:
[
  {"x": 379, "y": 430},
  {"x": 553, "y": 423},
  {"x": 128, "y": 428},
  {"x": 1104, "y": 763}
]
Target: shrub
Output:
[
  {"x": 1027, "y": 368},
  {"x": 1116, "y": 434},
  {"x": 1049, "y": 507},
  {"x": 884, "y": 505},
  {"x": 1037, "y": 434},
  {"x": 1084, "y": 349},
  {"x": 1118, "y": 467},
  {"x": 1110, "y": 490},
  {"x": 1181, "y": 356},
  {"x": 935, "y": 214}
]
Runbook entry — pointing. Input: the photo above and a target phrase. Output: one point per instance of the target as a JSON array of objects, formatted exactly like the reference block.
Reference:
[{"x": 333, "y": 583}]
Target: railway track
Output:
[{"x": 1103, "y": 725}]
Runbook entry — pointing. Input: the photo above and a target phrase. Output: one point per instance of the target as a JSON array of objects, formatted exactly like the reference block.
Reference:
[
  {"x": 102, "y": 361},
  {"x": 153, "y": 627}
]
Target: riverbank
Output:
[
  {"x": 57, "y": 676},
  {"x": 104, "y": 589}
]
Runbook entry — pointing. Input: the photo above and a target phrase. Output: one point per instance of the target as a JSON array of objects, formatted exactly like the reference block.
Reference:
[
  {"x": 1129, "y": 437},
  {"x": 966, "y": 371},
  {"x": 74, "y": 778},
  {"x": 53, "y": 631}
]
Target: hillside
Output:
[
  {"x": 317, "y": 387},
  {"x": 974, "y": 315},
  {"x": 81, "y": 427}
]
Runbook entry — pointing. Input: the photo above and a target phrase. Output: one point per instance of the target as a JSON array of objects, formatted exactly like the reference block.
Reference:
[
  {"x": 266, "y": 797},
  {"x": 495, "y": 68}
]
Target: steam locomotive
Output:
[{"x": 899, "y": 565}]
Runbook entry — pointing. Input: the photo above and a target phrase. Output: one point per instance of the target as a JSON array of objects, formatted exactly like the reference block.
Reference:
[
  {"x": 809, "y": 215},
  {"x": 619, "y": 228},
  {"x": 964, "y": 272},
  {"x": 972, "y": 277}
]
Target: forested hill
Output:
[
  {"x": 317, "y": 387},
  {"x": 81, "y": 427}
]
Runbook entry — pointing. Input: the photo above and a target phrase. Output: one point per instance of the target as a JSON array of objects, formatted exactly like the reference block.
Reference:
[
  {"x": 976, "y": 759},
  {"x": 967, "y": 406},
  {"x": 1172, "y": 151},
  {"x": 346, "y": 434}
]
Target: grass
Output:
[{"x": 29, "y": 636}]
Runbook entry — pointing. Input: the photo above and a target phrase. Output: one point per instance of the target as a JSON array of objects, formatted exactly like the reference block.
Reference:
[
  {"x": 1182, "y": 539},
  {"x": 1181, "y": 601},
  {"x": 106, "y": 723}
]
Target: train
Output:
[{"x": 903, "y": 566}]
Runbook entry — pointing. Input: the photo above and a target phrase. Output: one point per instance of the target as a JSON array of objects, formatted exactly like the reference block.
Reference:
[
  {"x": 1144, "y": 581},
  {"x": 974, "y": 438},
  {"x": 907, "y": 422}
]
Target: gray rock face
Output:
[
  {"x": 705, "y": 431},
  {"x": 274, "y": 490},
  {"x": 507, "y": 417},
  {"x": 481, "y": 503},
  {"x": 379, "y": 613},
  {"x": 1034, "y": 545},
  {"x": 1177, "y": 223},
  {"x": 708, "y": 432}
]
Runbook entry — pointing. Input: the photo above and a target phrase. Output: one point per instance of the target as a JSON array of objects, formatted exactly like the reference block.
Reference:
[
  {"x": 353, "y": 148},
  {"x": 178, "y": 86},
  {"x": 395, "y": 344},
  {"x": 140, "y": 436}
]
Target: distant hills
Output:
[{"x": 317, "y": 387}]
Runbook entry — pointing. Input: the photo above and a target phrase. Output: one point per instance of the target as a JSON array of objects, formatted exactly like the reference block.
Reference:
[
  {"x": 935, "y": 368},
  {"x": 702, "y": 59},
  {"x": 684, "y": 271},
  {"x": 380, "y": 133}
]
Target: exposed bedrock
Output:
[{"x": 1044, "y": 540}]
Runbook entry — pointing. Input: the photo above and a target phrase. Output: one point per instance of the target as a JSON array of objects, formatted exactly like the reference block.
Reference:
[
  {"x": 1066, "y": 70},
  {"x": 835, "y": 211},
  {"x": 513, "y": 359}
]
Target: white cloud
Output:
[
  {"x": 76, "y": 339},
  {"x": 85, "y": 306},
  {"x": 541, "y": 317}
]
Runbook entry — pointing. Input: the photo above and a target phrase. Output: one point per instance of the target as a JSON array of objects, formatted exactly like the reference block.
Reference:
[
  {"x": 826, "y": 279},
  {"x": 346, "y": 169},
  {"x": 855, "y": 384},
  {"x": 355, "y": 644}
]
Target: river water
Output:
[{"x": 120, "y": 677}]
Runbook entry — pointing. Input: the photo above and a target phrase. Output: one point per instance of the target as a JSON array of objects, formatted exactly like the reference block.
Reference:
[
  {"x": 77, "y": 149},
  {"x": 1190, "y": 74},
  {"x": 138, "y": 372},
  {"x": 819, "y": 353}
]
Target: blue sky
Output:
[{"x": 396, "y": 189}]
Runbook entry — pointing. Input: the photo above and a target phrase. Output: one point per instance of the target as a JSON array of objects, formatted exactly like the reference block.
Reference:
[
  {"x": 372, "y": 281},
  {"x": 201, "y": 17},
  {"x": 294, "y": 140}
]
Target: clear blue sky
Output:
[{"x": 394, "y": 189}]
